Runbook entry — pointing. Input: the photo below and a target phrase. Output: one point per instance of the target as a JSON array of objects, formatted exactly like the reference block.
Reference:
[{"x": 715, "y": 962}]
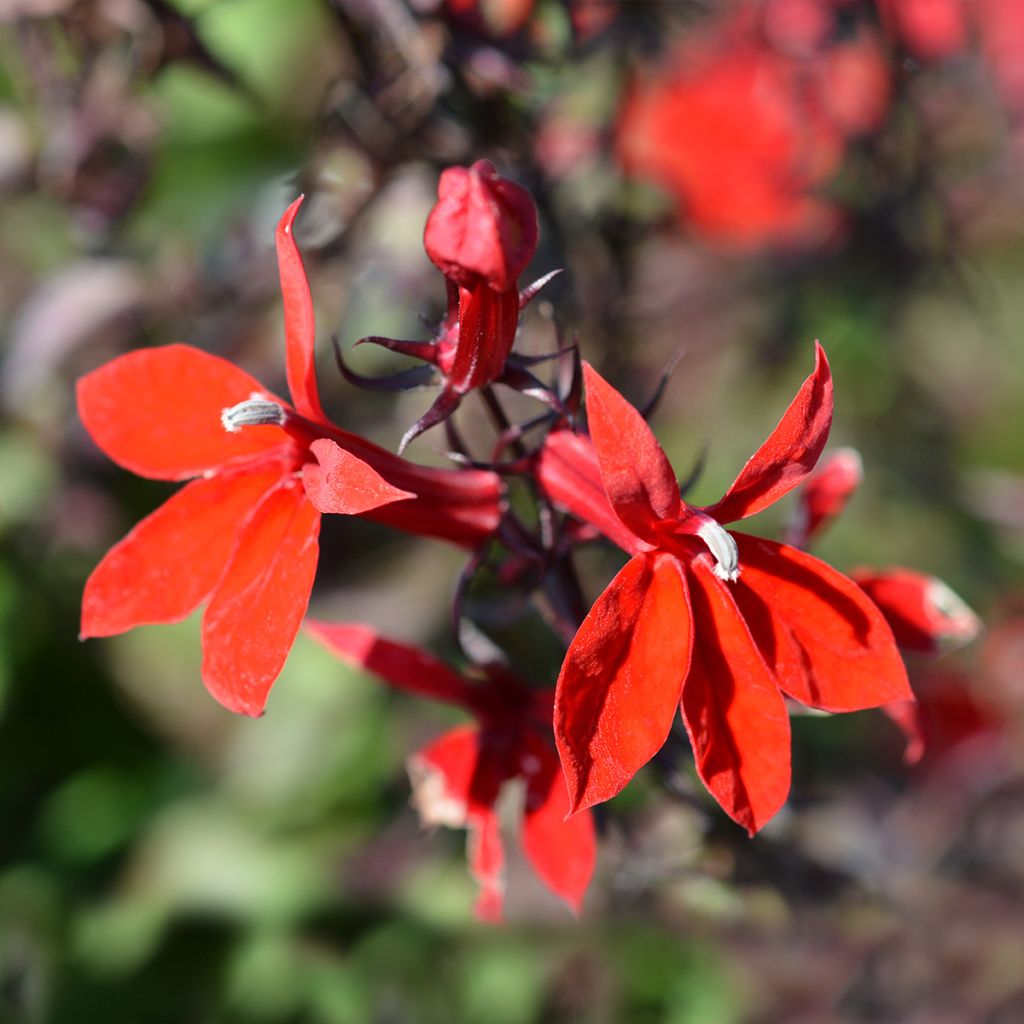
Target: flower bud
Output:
[{"x": 483, "y": 226}]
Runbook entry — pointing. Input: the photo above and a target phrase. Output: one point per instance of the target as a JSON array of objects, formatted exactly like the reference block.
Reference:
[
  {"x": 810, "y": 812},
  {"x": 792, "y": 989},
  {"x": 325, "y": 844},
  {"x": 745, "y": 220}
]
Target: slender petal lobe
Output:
[
  {"x": 299, "y": 322},
  {"x": 561, "y": 852},
  {"x": 171, "y": 561},
  {"x": 635, "y": 471},
  {"x": 406, "y": 668},
  {"x": 733, "y": 711},
  {"x": 827, "y": 643},
  {"x": 621, "y": 679},
  {"x": 251, "y": 621},
  {"x": 342, "y": 483},
  {"x": 157, "y": 412},
  {"x": 790, "y": 452}
]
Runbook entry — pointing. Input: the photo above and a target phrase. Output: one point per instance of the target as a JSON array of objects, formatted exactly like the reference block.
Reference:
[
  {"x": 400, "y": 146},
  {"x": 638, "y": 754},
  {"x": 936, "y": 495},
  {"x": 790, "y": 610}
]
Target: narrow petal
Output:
[
  {"x": 486, "y": 856},
  {"x": 171, "y": 561},
  {"x": 925, "y": 615},
  {"x": 157, "y": 412},
  {"x": 342, "y": 483},
  {"x": 827, "y": 643},
  {"x": 790, "y": 452},
  {"x": 561, "y": 852},
  {"x": 251, "y": 621},
  {"x": 568, "y": 472},
  {"x": 621, "y": 679},
  {"x": 487, "y": 330},
  {"x": 299, "y": 322},
  {"x": 455, "y": 782},
  {"x": 734, "y": 714},
  {"x": 404, "y": 667},
  {"x": 636, "y": 473}
]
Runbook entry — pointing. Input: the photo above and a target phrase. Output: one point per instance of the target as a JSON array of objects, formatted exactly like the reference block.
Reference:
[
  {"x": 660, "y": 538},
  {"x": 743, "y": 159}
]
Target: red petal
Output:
[
  {"x": 404, "y": 667},
  {"x": 487, "y": 330},
  {"x": 824, "y": 495},
  {"x": 568, "y": 472},
  {"x": 157, "y": 412},
  {"x": 734, "y": 713},
  {"x": 636, "y": 473},
  {"x": 925, "y": 615},
  {"x": 906, "y": 716},
  {"x": 342, "y": 483},
  {"x": 790, "y": 452},
  {"x": 561, "y": 852},
  {"x": 487, "y": 865},
  {"x": 620, "y": 683},
  {"x": 299, "y": 321},
  {"x": 251, "y": 622},
  {"x": 166, "y": 567},
  {"x": 455, "y": 782},
  {"x": 827, "y": 643}
]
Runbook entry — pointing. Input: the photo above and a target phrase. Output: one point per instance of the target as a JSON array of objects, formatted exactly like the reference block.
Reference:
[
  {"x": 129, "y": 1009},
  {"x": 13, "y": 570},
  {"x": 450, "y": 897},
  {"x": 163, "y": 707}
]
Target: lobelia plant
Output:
[{"x": 723, "y": 626}]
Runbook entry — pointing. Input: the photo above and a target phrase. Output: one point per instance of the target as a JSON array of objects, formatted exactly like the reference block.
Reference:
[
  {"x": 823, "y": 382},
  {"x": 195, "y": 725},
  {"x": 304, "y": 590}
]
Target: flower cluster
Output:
[{"x": 726, "y": 627}]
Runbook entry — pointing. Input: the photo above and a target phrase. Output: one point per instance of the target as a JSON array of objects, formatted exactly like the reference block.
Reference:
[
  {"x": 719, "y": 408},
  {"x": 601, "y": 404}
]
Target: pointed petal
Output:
[
  {"x": 455, "y": 782},
  {"x": 824, "y": 495},
  {"x": 341, "y": 483},
  {"x": 251, "y": 621},
  {"x": 561, "y": 852},
  {"x": 827, "y": 643},
  {"x": 925, "y": 615},
  {"x": 406, "y": 668},
  {"x": 790, "y": 452},
  {"x": 906, "y": 716},
  {"x": 734, "y": 713},
  {"x": 570, "y": 476},
  {"x": 621, "y": 679},
  {"x": 171, "y": 561},
  {"x": 157, "y": 412},
  {"x": 487, "y": 865},
  {"x": 636, "y": 473},
  {"x": 299, "y": 321}
]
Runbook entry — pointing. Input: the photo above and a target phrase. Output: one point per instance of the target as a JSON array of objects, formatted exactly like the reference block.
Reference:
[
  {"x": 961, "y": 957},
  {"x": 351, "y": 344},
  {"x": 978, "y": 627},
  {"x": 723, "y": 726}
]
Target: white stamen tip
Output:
[
  {"x": 722, "y": 546},
  {"x": 255, "y": 411}
]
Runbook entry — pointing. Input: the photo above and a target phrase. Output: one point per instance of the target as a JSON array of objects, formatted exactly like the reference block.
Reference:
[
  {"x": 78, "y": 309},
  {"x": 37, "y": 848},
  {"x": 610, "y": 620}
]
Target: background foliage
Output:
[{"x": 162, "y": 860}]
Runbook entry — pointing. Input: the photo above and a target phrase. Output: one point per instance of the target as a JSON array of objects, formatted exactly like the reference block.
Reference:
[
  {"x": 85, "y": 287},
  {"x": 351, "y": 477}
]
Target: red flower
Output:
[
  {"x": 457, "y": 778},
  {"x": 719, "y": 625},
  {"x": 925, "y": 614},
  {"x": 481, "y": 235},
  {"x": 824, "y": 495},
  {"x": 242, "y": 536}
]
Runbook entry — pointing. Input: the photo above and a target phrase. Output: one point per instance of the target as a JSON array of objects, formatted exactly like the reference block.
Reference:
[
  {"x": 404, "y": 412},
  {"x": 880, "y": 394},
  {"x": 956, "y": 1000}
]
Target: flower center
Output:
[{"x": 721, "y": 545}]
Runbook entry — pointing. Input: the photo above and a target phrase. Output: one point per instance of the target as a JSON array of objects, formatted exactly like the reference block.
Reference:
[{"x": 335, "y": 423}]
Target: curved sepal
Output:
[{"x": 343, "y": 484}]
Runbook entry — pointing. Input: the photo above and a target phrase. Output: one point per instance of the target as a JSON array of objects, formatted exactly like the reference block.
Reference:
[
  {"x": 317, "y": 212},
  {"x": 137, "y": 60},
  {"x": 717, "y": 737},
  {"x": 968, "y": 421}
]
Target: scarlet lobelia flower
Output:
[
  {"x": 457, "y": 778},
  {"x": 242, "y": 536},
  {"x": 481, "y": 235},
  {"x": 718, "y": 624}
]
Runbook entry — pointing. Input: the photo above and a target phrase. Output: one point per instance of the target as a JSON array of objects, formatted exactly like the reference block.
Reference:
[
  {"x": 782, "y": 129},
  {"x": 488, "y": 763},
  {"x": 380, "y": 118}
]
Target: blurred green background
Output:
[{"x": 163, "y": 860}]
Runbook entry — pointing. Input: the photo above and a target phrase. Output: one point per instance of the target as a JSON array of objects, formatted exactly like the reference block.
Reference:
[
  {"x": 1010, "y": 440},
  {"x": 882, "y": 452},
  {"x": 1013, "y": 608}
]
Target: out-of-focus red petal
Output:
[
  {"x": 790, "y": 452},
  {"x": 157, "y": 412},
  {"x": 455, "y": 782},
  {"x": 636, "y": 473},
  {"x": 250, "y": 623},
  {"x": 406, "y": 668},
  {"x": 827, "y": 643},
  {"x": 621, "y": 679},
  {"x": 342, "y": 483},
  {"x": 299, "y": 320},
  {"x": 824, "y": 495},
  {"x": 561, "y": 852},
  {"x": 733, "y": 711},
  {"x": 929, "y": 29},
  {"x": 170, "y": 562},
  {"x": 568, "y": 472},
  {"x": 906, "y": 716},
  {"x": 925, "y": 615},
  {"x": 487, "y": 865}
]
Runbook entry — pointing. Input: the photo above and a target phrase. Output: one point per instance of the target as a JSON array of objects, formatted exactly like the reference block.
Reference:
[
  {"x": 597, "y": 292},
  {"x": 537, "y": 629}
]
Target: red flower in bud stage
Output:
[
  {"x": 243, "y": 535},
  {"x": 824, "y": 495},
  {"x": 457, "y": 779},
  {"x": 719, "y": 625},
  {"x": 925, "y": 614},
  {"x": 481, "y": 235}
]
